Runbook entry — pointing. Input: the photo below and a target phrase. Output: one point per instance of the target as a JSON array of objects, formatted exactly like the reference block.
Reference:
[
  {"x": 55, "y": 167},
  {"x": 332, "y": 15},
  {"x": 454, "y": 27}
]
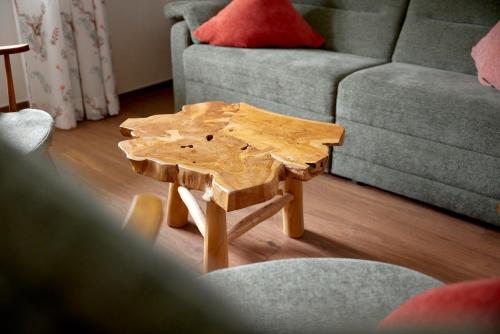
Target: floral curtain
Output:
[{"x": 69, "y": 68}]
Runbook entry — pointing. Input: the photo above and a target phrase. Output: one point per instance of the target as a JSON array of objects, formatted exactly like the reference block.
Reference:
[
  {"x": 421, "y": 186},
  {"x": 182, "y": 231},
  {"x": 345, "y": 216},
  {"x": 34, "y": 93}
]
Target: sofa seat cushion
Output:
[
  {"x": 302, "y": 78},
  {"x": 198, "y": 92},
  {"x": 454, "y": 167},
  {"x": 28, "y": 130},
  {"x": 441, "y": 106},
  {"x": 316, "y": 295},
  {"x": 381, "y": 174}
]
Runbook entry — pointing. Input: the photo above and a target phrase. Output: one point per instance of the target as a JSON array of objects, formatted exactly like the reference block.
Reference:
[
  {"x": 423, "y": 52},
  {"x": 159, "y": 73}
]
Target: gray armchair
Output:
[{"x": 28, "y": 130}]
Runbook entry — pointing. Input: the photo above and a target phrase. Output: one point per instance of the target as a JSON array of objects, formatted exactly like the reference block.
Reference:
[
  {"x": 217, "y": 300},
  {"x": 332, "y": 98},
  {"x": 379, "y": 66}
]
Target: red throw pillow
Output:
[
  {"x": 474, "y": 303},
  {"x": 258, "y": 23},
  {"x": 486, "y": 55}
]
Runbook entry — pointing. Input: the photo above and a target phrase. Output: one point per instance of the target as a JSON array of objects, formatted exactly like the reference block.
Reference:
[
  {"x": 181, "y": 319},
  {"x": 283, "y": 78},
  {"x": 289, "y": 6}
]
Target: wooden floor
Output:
[{"x": 342, "y": 219}]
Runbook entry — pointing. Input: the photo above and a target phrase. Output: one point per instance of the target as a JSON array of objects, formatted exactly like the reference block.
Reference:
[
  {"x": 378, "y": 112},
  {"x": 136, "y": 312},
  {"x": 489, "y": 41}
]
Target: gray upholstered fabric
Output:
[
  {"x": 200, "y": 92},
  {"x": 446, "y": 107},
  {"x": 179, "y": 40},
  {"x": 441, "y": 34},
  {"x": 417, "y": 187},
  {"x": 363, "y": 27},
  {"x": 195, "y": 13},
  {"x": 317, "y": 295},
  {"x": 464, "y": 169},
  {"x": 425, "y": 133},
  {"x": 299, "y": 78},
  {"x": 29, "y": 130},
  {"x": 65, "y": 266}
]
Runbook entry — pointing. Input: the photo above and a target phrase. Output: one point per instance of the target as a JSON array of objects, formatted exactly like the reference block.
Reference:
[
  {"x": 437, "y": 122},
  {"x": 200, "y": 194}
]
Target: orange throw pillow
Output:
[
  {"x": 258, "y": 23},
  {"x": 474, "y": 303}
]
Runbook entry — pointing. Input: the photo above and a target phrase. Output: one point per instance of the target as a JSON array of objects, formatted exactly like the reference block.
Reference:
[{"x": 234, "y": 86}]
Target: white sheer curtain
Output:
[{"x": 69, "y": 68}]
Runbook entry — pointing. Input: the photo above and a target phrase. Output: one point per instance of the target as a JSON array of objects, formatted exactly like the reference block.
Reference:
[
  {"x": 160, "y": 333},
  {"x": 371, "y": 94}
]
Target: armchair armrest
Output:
[
  {"x": 145, "y": 216},
  {"x": 195, "y": 13}
]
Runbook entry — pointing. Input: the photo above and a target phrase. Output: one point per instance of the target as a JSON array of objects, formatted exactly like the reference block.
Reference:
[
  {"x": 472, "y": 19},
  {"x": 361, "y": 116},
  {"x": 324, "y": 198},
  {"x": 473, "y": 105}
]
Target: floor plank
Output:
[{"x": 342, "y": 219}]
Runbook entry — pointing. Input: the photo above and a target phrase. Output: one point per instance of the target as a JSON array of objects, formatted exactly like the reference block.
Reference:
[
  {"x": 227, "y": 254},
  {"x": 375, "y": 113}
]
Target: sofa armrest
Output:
[
  {"x": 195, "y": 13},
  {"x": 191, "y": 15},
  {"x": 180, "y": 39}
]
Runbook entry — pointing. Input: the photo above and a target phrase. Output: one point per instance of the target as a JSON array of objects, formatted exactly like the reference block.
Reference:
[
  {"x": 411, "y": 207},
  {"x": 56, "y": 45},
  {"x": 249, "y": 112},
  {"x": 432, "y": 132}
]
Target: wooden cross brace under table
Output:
[{"x": 238, "y": 155}]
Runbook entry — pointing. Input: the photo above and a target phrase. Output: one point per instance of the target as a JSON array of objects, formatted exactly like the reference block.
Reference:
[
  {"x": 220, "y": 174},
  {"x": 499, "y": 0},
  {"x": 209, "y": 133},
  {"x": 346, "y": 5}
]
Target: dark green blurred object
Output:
[{"x": 66, "y": 266}]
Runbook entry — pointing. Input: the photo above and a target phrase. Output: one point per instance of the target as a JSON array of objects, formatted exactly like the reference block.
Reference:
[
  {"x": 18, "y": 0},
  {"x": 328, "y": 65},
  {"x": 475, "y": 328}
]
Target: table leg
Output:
[
  {"x": 177, "y": 212},
  {"x": 293, "y": 213},
  {"x": 215, "y": 253}
]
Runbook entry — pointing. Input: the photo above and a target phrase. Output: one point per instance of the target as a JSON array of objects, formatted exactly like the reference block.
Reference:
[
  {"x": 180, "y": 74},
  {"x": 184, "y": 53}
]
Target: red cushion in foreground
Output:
[
  {"x": 475, "y": 303},
  {"x": 259, "y": 23}
]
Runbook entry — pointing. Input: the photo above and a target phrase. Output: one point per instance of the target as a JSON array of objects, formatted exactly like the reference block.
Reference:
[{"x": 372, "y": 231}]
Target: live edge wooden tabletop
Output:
[{"x": 235, "y": 153}]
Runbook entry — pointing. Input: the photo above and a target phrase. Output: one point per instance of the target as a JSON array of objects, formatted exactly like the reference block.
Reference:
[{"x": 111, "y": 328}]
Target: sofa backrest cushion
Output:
[
  {"x": 441, "y": 33},
  {"x": 363, "y": 27}
]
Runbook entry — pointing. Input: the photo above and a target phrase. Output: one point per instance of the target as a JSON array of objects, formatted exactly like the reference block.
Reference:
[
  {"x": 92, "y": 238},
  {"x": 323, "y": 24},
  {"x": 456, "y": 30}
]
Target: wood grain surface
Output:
[
  {"x": 236, "y": 152},
  {"x": 215, "y": 254}
]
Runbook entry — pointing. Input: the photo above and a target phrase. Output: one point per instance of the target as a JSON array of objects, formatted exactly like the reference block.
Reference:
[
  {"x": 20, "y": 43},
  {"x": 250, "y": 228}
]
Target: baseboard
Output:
[
  {"x": 142, "y": 90},
  {"x": 161, "y": 85},
  {"x": 21, "y": 105}
]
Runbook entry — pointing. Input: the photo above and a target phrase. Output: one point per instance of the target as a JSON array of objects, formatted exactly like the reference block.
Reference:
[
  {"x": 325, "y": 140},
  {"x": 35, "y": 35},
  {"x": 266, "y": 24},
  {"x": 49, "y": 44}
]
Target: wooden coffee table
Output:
[{"x": 237, "y": 155}]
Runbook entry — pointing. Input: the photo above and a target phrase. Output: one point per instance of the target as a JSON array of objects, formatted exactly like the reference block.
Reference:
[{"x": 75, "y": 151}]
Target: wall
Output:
[
  {"x": 8, "y": 36},
  {"x": 140, "y": 41}
]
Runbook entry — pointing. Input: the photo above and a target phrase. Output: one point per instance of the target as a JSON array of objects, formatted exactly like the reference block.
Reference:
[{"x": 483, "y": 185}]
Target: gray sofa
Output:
[{"x": 397, "y": 74}]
